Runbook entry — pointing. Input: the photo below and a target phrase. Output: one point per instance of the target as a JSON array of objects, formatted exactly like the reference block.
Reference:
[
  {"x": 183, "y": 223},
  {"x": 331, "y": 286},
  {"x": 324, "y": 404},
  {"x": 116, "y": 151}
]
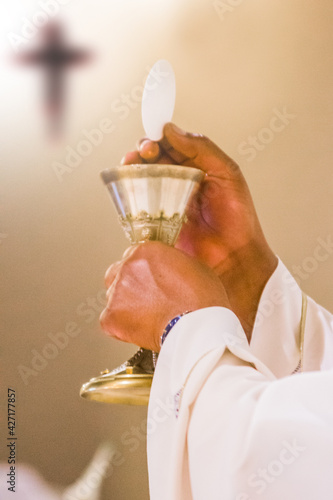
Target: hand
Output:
[
  {"x": 150, "y": 286},
  {"x": 223, "y": 230}
]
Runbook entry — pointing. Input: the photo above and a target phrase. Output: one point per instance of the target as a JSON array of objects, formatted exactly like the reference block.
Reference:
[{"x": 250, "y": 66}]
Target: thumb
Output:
[{"x": 196, "y": 150}]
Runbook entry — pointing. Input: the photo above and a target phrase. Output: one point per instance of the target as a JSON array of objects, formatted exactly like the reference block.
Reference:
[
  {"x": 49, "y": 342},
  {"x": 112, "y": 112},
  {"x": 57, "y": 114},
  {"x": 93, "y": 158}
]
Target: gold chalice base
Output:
[
  {"x": 127, "y": 388},
  {"x": 128, "y": 384}
]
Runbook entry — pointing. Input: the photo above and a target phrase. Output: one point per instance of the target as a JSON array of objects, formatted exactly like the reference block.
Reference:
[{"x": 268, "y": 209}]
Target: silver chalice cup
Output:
[{"x": 151, "y": 201}]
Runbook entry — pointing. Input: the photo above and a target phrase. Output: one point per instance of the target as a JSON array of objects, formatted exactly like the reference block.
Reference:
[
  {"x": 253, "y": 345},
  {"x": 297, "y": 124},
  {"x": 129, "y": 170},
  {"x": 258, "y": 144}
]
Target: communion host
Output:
[{"x": 241, "y": 406}]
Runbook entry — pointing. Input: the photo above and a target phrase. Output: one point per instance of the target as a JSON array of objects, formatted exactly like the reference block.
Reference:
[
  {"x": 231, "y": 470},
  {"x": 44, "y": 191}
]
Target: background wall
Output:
[{"x": 238, "y": 64}]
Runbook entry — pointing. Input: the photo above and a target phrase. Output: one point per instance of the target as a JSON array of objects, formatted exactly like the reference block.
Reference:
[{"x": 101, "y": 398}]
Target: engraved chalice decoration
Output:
[{"x": 150, "y": 200}]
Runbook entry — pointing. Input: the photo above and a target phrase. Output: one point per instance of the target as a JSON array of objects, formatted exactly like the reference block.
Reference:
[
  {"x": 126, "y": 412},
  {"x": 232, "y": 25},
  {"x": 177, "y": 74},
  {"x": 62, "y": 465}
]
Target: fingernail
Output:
[
  {"x": 140, "y": 141},
  {"x": 144, "y": 144}
]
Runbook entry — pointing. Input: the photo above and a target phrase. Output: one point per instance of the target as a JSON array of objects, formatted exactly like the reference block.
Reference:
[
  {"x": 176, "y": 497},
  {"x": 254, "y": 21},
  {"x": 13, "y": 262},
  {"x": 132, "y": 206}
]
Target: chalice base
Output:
[{"x": 128, "y": 384}]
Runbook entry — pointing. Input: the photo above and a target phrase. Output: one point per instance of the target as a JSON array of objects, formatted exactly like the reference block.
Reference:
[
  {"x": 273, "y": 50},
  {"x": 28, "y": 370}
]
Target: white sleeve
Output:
[
  {"x": 276, "y": 333},
  {"x": 218, "y": 428},
  {"x": 250, "y": 438}
]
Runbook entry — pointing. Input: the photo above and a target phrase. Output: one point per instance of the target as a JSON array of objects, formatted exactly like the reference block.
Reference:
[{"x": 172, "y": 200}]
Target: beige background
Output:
[{"x": 58, "y": 236}]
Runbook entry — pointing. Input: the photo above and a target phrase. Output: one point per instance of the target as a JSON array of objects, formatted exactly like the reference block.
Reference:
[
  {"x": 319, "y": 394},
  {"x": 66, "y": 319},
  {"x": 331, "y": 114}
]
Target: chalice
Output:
[{"x": 151, "y": 201}]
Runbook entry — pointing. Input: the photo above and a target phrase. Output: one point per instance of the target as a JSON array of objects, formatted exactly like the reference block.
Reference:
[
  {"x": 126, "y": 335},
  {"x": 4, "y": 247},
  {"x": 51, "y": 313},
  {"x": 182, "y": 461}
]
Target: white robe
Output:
[{"x": 220, "y": 429}]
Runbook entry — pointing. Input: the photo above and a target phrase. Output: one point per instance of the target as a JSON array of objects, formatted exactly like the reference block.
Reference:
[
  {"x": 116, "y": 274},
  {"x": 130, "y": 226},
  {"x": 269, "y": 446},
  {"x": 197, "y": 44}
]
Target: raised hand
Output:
[{"x": 223, "y": 229}]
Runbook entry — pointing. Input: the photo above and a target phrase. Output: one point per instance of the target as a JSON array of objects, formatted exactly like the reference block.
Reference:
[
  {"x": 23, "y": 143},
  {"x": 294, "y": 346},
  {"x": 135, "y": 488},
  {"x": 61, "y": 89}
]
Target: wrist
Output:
[
  {"x": 255, "y": 262},
  {"x": 170, "y": 325},
  {"x": 244, "y": 275}
]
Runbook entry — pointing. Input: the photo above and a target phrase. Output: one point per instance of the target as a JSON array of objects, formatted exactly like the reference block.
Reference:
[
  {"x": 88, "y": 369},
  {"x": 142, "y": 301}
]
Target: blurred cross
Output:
[{"x": 54, "y": 57}]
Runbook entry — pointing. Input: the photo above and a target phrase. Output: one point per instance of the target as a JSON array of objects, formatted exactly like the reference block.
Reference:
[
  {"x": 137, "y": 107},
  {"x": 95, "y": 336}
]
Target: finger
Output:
[
  {"x": 176, "y": 155},
  {"x": 165, "y": 159},
  {"x": 110, "y": 289},
  {"x": 114, "y": 269},
  {"x": 131, "y": 158},
  {"x": 197, "y": 151},
  {"x": 105, "y": 320},
  {"x": 140, "y": 141},
  {"x": 112, "y": 272},
  {"x": 149, "y": 150},
  {"x": 129, "y": 251}
]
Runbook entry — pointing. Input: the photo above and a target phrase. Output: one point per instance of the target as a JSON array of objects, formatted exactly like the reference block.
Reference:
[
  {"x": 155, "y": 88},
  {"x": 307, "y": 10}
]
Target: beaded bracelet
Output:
[{"x": 169, "y": 326}]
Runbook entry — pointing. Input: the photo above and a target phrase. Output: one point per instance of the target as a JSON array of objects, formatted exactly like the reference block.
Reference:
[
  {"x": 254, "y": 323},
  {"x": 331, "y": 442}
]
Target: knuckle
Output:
[
  {"x": 109, "y": 324},
  {"x": 203, "y": 139},
  {"x": 152, "y": 246},
  {"x": 129, "y": 251},
  {"x": 231, "y": 164},
  {"x": 149, "y": 251},
  {"x": 108, "y": 277},
  {"x": 104, "y": 320},
  {"x": 136, "y": 252}
]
